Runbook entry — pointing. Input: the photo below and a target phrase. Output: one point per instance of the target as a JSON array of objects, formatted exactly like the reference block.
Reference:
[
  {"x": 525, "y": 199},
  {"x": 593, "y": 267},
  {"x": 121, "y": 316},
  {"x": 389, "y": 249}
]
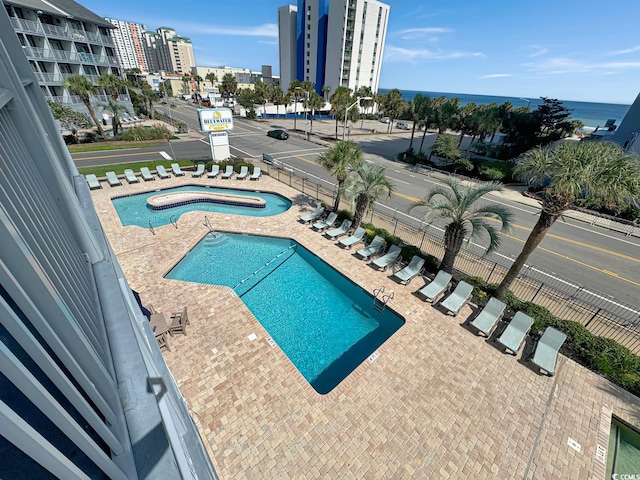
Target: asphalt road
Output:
[{"x": 589, "y": 256}]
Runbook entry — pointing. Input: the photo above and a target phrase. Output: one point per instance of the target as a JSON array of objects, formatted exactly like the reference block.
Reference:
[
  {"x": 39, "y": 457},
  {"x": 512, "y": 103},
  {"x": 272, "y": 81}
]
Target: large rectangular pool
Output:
[{"x": 322, "y": 321}]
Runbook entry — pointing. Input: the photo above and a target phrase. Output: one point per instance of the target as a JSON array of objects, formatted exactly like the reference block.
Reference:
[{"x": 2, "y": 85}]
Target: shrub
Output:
[
  {"x": 139, "y": 133},
  {"x": 491, "y": 174},
  {"x": 70, "y": 139}
]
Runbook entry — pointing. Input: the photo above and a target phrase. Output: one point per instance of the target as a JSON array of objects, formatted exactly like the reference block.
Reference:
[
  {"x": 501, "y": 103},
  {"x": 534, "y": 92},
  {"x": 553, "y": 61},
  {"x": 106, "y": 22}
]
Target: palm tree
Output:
[
  {"x": 340, "y": 100},
  {"x": 186, "y": 80},
  {"x": 229, "y": 85},
  {"x": 366, "y": 182},
  {"x": 338, "y": 160},
  {"x": 112, "y": 85},
  {"x": 418, "y": 109},
  {"x": 149, "y": 97},
  {"x": 454, "y": 201},
  {"x": 81, "y": 86},
  {"x": 276, "y": 95},
  {"x": 261, "y": 90},
  {"x": 116, "y": 110},
  {"x": 572, "y": 170},
  {"x": 316, "y": 102},
  {"x": 211, "y": 77}
]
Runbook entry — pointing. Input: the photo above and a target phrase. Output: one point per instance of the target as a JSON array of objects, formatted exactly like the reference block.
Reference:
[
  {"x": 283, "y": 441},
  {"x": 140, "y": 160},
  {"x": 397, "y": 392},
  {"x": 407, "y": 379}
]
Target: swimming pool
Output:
[
  {"x": 134, "y": 210},
  {"x": 322, "y": 321}
]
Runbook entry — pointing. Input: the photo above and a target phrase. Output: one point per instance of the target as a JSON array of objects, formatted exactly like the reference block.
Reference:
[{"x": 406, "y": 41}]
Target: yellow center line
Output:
[{"x": 115, "y": 155}]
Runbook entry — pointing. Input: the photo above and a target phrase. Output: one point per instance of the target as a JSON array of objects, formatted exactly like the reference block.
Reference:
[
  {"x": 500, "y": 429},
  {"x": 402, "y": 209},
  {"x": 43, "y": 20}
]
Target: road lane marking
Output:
[
  {"x": 165, "y": 155},
  {"x": 400, "y": 181}
]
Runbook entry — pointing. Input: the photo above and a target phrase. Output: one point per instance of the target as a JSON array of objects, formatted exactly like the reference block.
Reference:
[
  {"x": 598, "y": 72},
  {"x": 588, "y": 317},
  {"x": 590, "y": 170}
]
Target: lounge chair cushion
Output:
[
  {"x": 487, "y": 319},
  {"x": 546, "y": 353},
  {"x": 516, "y": 331},
  {"x": 374, "y": 247},
  {"x": 458, "y": 298},
  {"x": 407, "y": 273},
  {"x": 388, "y": 258},
  {"x": 312, "y": 216},
  {"x": 436, "y": 287}
]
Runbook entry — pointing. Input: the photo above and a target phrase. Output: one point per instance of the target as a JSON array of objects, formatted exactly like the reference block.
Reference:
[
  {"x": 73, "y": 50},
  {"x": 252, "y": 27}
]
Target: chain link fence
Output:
[{"x": 601, "y": 314}]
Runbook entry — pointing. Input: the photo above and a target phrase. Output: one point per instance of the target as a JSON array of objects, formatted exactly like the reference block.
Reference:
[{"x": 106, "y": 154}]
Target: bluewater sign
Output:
[{"x": 215, "y": 119}]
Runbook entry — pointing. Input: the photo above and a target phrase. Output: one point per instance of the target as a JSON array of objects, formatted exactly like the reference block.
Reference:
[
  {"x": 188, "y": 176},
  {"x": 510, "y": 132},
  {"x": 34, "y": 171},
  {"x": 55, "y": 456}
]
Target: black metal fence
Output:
[{"x": 602, "y": 314}]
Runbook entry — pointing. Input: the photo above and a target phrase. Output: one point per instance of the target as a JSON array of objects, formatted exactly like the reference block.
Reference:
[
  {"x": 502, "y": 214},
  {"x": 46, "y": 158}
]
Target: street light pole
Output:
[
  {"x": 346, "y": 110},
  {"x": 526, "y": 100}
]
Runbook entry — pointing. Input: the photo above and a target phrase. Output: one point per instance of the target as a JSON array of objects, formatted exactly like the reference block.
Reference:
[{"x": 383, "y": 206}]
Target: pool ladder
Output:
[
  {"x": 379, "y": 304},
  {"x": 174, "y": 221},
  {"x": 153, "y": 230}
]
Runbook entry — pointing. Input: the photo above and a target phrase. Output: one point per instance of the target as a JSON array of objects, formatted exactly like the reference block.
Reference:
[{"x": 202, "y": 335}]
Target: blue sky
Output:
[{"x": 586, "y": 51}]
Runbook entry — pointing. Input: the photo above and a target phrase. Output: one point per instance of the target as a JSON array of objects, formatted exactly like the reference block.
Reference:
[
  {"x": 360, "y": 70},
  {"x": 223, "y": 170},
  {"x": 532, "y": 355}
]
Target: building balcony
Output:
[
  {"x": 38, "y": 53},
  {"x": 66, "y": 55},
  {"x": 49, "y": 77},
  {"x": 22, "y": 25}
]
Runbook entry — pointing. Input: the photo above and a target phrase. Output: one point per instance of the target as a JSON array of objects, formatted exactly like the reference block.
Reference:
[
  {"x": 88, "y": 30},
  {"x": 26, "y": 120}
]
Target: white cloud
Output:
[
  {"x": 625, "y": 51},
  {"x": 407, "y": 55},
  {"x": 421, "y": 33},
  {"x": 562, "y": 66},
  {"x": 539, "y": 51},
  {"x": 497, "y": 75}
]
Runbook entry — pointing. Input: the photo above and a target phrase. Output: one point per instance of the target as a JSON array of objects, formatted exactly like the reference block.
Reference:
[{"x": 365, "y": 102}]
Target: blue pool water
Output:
[
  {"x": 322, "y": 321},
  {"x": 133, "y": 209}
]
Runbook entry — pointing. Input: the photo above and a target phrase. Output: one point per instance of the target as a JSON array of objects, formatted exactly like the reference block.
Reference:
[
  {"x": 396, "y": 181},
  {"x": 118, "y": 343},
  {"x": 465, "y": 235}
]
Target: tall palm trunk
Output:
[
  {"x": 92, "y": 113},
  {"x": 453, "y": 238},
  {"x": 339, "y": 194},
  {"x": 540, "y": 229},
  {"x": 424, "y": 134},
  {"x": 360, "y": 209},
  {"x": 413, "y": 132}
]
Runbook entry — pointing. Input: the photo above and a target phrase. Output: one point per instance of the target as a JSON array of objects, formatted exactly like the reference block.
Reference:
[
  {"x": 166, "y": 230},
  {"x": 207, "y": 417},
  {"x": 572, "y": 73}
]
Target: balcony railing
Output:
[
  {"x": 49, "y": 77},
  {"x": 26, "y": 25},
  {"x": 55, "y": 31},
  {"x": 33, "y": 52},
  {"x": 69, "y": 55}
]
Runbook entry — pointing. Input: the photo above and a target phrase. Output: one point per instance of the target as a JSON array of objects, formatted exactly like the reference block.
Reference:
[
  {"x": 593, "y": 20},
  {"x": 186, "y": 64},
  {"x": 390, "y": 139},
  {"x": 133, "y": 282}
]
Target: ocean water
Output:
[{"x": 592, "y": 114}]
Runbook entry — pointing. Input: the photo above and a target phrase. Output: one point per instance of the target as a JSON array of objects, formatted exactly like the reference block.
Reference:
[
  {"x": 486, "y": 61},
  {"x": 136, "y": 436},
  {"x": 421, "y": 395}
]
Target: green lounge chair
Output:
[
  {"x": 175, "y": 168},
  {"x": 388, "y": 258},
  {"x": 353, "y": 239},
  {"x": 546, "y": 355},
  {"x": 516, "y": 331},
  {"x": 407, "y": 273},
  {"x": 244, "y": 171},
  {"x": 146, "y": 174},
  {"x": 93, "y": 182},
  {"x": 312, "y": 216},
  {"x": 374, "y": 247},
  {"x": 488, "y": 318},
  {"x": 436, "y": 287},
  {"x": 256, "y": 173},
  {"x": 458, "y": 298},
  {"x": 199, "y": 171},
  {"x": 112, "y": 178},
  {"x": 162, "y": 172},
  {"x": 326, "y": 223},
  {"x": 215, "y": 171},
  {"x": 130, "y": 176},
  {"x": 341, "y": 230},
  {"x": 228, "y": 172}
]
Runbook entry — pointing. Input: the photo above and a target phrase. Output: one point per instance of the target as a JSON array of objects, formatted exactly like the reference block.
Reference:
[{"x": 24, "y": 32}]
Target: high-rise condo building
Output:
[
  {"x": 127, "y": 37},
  {"x": 169, "y": 51},
  {"x": 333, "y": 43},
  {"x": 61, "y": 38}
]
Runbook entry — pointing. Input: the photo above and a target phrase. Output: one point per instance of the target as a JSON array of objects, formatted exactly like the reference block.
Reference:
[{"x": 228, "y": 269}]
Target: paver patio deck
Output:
[{"x": 438, "y": 401}]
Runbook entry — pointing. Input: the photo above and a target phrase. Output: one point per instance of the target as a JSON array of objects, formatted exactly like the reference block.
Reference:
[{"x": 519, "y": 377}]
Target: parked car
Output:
[
  {"x": 403, "y": 126},
  {"x": 279, "y": 134},
  {"x": 385, "y": 119}
]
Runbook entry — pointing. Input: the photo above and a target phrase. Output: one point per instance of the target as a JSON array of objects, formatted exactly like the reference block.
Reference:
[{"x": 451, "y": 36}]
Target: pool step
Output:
[{"x": 215, "y": 239}]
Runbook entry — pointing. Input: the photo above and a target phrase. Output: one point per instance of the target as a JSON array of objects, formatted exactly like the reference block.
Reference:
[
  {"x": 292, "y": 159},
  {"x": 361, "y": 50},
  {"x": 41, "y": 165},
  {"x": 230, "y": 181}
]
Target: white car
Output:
[
  {"x": 385, "y": 119},
  {"x": 403, "y": 126}
]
